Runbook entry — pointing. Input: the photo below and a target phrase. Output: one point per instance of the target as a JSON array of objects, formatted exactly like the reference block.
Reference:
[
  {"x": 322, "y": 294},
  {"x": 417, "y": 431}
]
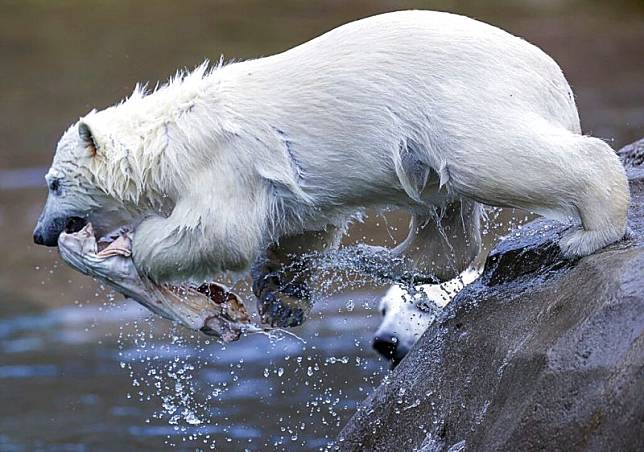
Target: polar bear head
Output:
[
  {"x": 75, "y": 193},
  {"x": 403, "y": 322},
  {"x": 108, "y": 169},
  {"x": 406, "y": 316}
]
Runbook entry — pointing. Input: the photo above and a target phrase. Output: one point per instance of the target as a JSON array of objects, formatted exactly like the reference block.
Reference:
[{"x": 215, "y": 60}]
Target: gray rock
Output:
[{"x": 540, "y": 353}]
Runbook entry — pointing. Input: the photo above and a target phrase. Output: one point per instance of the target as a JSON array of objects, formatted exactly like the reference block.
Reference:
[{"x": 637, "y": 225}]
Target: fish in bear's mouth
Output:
[{"x": 210, "y": 308}]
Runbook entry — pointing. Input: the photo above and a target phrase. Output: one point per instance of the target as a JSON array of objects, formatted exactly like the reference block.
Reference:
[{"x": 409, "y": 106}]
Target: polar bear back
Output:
[
  {"x": 433, "y": 81},
  {"x": 403, "y": 56}
]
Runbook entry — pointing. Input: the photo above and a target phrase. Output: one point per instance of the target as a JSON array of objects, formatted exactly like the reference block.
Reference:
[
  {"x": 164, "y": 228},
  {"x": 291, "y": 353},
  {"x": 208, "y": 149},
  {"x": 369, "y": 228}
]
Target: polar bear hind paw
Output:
[{"x": 578, "y": 242}]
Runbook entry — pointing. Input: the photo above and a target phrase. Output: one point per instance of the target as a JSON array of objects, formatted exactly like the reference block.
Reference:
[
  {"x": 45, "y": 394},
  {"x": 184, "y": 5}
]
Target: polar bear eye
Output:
[{"x": 54, "y": 186}]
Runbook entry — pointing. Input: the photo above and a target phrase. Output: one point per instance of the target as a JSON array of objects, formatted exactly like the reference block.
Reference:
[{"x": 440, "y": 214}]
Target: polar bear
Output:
[
  {"x": 407, "y": 314},
  {"x": 263, "y": 160}
]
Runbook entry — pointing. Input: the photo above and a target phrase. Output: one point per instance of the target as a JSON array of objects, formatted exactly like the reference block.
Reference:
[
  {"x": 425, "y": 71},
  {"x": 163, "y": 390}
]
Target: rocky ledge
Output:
[{"x": 540, "y": 353}]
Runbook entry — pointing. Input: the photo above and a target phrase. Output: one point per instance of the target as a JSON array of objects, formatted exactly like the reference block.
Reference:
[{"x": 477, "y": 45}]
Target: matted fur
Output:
[{"x": 410, "y": 109}]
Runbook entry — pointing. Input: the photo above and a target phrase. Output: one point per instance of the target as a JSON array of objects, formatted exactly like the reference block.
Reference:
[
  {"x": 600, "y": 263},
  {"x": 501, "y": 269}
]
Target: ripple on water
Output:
[{"x": 29, "y": 371}]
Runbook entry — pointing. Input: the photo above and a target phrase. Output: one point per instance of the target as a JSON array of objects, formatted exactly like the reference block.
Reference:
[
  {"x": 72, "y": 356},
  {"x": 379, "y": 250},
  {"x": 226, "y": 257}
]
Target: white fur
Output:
[
  {"x": 407, "y": 316},
  {"x": 411, "y": 109}
]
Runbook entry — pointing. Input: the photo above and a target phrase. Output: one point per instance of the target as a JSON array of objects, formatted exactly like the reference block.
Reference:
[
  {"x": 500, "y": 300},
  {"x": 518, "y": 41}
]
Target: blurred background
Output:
[{"x": 80, "y": 369}]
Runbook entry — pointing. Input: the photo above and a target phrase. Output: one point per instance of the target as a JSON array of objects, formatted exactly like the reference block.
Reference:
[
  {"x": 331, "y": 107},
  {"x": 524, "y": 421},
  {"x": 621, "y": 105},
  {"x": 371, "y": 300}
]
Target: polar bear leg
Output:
[
  {"x": 444, "y": 241},
  {"x": 603, "y": 206},
  {"x": 280, "y": 277},
  {"x": 560, "y": 176}
]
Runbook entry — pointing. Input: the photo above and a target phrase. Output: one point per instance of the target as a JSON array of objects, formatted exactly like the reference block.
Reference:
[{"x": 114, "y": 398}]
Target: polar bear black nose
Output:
[
  {"x": 45, "y": 236},
  {"x": 48, "y": 229},
  {"x": 39, "y": 239},
  {"x": 385, "y": 344}
]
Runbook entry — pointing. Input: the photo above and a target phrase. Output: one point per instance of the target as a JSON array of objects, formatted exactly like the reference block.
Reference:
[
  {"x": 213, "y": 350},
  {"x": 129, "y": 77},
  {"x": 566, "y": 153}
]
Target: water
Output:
[
  {"x": 82, "y": 370},
  {"x": 114, "y": 372}
]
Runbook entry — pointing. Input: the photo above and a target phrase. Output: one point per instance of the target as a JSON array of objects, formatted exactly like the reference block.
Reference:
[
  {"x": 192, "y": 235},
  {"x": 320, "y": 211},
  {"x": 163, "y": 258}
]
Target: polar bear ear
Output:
[{"x": 87, "y": 137}]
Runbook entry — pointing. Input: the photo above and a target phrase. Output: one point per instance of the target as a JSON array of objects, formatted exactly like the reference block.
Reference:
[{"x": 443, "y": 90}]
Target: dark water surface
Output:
[{"x": 80, "y": 371}]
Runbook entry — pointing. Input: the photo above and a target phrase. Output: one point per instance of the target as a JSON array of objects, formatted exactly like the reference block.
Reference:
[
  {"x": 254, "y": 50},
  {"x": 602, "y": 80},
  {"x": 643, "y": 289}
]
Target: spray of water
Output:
[{"x": 173, "y": 368}]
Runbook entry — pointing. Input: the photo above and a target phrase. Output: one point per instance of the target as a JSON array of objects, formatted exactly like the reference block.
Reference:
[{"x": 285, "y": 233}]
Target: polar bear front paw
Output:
[
  {"x": 279, "y": 310},
  {"x": 281, "y": 305}
]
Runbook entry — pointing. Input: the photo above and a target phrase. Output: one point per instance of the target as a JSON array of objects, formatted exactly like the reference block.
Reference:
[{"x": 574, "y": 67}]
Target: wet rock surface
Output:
[{"x": 539, "y": 353}]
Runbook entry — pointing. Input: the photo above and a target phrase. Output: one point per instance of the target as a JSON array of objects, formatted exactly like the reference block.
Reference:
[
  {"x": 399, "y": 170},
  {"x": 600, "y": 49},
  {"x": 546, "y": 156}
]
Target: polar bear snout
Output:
[
  {"x": 48, "y": 229},
  {"x": 389, "y": 346}
]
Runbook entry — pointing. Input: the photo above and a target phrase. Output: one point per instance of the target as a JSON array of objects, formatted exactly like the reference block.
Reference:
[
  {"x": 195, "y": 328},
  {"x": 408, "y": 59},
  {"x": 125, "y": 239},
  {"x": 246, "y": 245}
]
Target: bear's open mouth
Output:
[{"x": 74, "y": 224}]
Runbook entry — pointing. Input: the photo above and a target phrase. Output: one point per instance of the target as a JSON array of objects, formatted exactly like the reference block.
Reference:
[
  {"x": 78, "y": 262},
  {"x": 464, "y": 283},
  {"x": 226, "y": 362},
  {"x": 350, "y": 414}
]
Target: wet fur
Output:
[{"x": 415, "y": 109}]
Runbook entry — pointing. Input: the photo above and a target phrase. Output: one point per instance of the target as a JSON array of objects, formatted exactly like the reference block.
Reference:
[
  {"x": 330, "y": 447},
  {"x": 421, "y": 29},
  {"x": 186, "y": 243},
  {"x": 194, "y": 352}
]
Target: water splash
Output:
[{"x": 175, "y": 368}]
